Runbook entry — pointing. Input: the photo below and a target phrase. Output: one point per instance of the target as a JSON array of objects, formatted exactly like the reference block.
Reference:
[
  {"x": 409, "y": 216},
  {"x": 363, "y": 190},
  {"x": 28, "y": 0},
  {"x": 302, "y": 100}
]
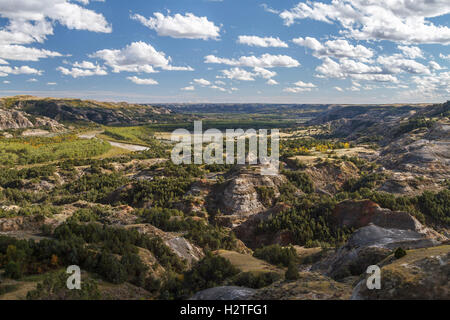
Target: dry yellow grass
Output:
[
  {"x": 303, "y": 252},
  {"x": 20, "y": 290},
  {"x": 350, "y": 152},
  {"x": 247, "y": 263}
]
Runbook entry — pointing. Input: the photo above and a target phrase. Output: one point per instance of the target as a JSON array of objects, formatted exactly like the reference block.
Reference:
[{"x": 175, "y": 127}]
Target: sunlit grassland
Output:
[
  {"x": 32, "y": 150},
  {"x": 141, "y": 135}
]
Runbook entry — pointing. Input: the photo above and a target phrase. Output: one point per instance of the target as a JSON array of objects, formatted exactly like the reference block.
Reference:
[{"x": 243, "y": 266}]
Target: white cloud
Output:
[
  {"x": 385, "y": 70},
  {"x": 79, "y": 72},
  {"x": 85, "y": 65},
  {"x": 302, "y": 84},
  {"x": 397, "y": 64},
  {"x": 375, "y": 77},
  {"x": 36, "y": 16},
  {"x": 269, "y": 9},
  {"x": 447, "y": 57},
  {"x": 244, "y": 75},
  {"x": 262, "y": 42},
  {"x": 218, "y": 88},
  {"x": 264, "y": 61},
  {"x": 335, "y": 48},
  {"x": 411, "y": 52},
  {"x": 140, "y": 81},
  {"x": 264, "y": 73},
  {"x": 297, "y": 90},
  {"x": 21, "y": 53},
  {"x": 51, "y": 83},
  {"x": 6, "y": 82},
  {"x": 137, "y": 57},
  {"x": 345, "y": 68},
  {"x": 178, "y": 26},
  {"x": 339, "y": 89},
  {"x": 189, "y": 88},
  {"x": 238, "y": 74},
  {"x": 432, "y": 86},
  {"x": 435, "y": 66},
  {"x": 202, "y": 82},
  {"x": 7, "y": 70},
  {"x": 272, "y": 82},
  {"x": 394, "y": 20},
  {"x": 32, "y": 80},
  {"x": 32, "y": 21}
]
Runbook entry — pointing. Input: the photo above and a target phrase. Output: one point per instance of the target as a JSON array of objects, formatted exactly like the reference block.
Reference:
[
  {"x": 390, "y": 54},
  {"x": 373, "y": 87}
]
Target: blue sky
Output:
[{"x": 341, "y": 51}]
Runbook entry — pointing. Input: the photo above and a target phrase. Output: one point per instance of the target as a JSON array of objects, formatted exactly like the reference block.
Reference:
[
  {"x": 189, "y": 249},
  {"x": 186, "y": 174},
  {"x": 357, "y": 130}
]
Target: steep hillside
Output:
[{"x": 105, "y": 113}]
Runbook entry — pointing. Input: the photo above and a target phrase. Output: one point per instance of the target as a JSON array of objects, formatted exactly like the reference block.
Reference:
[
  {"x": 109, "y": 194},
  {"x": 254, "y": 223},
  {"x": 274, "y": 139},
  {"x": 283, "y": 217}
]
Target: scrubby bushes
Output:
[
  {"x": 109, "y": 252},
  {"x": 309, "y": 219},
  {"x": 200, "y": 232},
  {"x": 256, "y": 280},
  {"x": 300, "y": 179},
  {"x": 54, "y": 287},
  {"x": 209, "y": 272},
  {"x": 277, "y": 255}
]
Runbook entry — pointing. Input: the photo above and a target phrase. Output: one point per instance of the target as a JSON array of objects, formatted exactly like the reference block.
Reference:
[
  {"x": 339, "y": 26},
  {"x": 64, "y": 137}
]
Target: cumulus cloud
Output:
[
  {"x": 218, "y": 88},
  {"x": 446, "y": 57},
  {"x": 32, "y": 21},
  {"x": 297, "y": 90},
  {"x": 189, "y": 88},
  {"x": 202, "y": 82},
  {"x": 411, "y": 52},
  {"x": 269, "y": 9},
  {"x": 264, "y": 73},
  {"x": 178, "y": 26},
  {"x": 85, "y": 69},
  {"x": 262, "y": 42},
  {"x": 238, "y": 74},
  {"x": 137, "y": 57},
  {"x": 335, "y": 48},
  {"x": 7, "y": 70},
  {"x": 244, "y": 75},
  {"x": 140, "y": 81},
  {"x": 395, "y": 20},
  {"x": 301, "y": 86},
  {"x": 347, "y": 68},
  {"x": 272, "y": 82},
  {"x": 339, "y": 89},
  {"x": 22, "y": 53},
  {"x": 85, "y": 65},
  {"x": 264, "y": 61},
  {"x": 397, "y": 64},
  {"x": 430, "y": 86},
  {"x": 435, "y": 66}
]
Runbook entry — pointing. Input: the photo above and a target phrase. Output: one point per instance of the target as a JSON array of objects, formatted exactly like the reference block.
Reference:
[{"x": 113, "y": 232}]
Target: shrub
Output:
[
  {"x": 291, "y": 272},
  {"x": 275, "y": 254},
  {"x": 399, "y": 253},
  {"x": 256, "y": 280}
]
